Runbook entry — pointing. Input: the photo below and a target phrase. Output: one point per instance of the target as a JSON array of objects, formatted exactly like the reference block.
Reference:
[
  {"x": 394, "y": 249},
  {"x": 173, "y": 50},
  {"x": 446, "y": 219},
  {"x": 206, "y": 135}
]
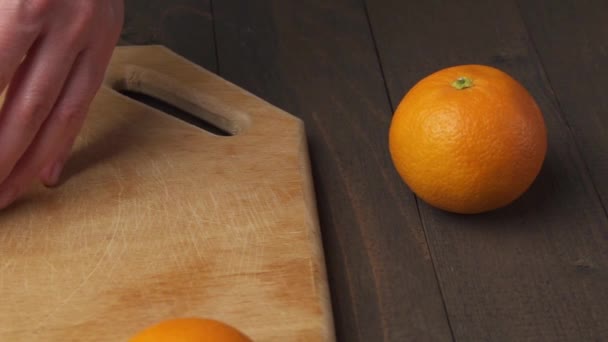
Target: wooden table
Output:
[{"x": 400, "y": 270}]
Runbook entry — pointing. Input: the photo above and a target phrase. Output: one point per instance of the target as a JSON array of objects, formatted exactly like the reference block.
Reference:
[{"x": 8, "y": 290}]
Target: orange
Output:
[
  {"x": 468, "y": 139},
  {"x": 190, "y": 330}
]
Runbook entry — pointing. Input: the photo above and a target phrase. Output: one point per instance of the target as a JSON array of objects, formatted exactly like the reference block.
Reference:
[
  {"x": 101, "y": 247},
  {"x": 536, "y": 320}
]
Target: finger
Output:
[
  {"x": 30, "y": 98},
  {"x": 87, "y": 77},
  {"x": 16, "y": 38},
  {"x": 56, "y": 136}
]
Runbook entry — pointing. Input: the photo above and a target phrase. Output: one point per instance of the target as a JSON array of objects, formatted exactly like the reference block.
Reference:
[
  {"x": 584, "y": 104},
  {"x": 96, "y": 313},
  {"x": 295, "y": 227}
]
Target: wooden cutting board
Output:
[{"x": 159, "y": 219}]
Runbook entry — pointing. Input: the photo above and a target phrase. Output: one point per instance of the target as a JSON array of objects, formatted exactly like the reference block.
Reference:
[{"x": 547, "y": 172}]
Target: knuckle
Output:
[
  {"x": 35, "y": 9},
  {"x": 84, "y": 13},
  {"x": 68, "y": 115},
  {"x": 81, "y": 23}
]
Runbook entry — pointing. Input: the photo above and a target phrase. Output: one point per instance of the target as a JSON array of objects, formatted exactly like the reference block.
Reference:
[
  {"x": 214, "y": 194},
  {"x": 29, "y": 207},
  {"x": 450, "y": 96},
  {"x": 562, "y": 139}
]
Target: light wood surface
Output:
[{"x": 159, "y": 219}]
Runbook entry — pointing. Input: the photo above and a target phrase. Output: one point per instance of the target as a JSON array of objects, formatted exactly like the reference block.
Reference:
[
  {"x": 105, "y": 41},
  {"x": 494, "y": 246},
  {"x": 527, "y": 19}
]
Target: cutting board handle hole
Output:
[
  {"x": 176, "y": 112},
  {"x": 181, "y": 100}
]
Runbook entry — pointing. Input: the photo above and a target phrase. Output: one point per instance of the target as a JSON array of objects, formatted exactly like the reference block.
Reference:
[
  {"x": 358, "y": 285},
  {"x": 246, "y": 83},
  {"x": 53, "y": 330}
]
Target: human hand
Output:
[{"x": 53, "y": 56}]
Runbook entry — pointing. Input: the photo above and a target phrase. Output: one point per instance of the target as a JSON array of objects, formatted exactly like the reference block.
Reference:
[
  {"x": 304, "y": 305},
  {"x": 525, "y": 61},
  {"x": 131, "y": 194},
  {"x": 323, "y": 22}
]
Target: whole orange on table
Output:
[
  {"x": 468, "y": 139},
  {"x": 190, "y": 330}
]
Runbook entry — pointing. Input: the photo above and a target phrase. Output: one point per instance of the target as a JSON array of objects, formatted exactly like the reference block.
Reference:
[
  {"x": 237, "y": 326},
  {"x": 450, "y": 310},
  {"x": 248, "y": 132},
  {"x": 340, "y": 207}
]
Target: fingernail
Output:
[
  {"x": 56, "y": 173},
  {"x": 7, "y": 196}
]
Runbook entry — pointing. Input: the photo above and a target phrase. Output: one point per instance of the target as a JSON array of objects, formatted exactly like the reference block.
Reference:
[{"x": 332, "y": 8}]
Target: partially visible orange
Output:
[
  {"x": 190, "y": 330},
  {"x": 468, "y": 139}
]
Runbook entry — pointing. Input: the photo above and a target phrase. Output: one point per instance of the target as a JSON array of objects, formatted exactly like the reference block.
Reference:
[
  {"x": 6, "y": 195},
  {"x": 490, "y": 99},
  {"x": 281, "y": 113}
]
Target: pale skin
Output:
[{"x": 53, "y": 56}]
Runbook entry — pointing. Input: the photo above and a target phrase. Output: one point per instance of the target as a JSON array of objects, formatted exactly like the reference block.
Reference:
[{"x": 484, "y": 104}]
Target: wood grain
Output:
[
  {"x": 572, "y": 43},
  {"x": 537, "y": 269},
  {"x": 160, "y": 219},
  {"x": 316, "y": 59}
]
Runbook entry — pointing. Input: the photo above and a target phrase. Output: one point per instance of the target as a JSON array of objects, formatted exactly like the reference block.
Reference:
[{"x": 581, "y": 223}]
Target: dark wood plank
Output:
[
  {"x": 184, "y": 26},
  {"x": 572, "y": 42},
  {"x": 535, "y": 271},
  {"x": 316, "y": 60}
]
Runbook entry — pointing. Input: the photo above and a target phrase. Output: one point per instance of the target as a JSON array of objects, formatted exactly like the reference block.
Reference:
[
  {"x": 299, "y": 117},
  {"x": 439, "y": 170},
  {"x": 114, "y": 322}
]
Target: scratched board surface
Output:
[{"x": 157, "y": 218}]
